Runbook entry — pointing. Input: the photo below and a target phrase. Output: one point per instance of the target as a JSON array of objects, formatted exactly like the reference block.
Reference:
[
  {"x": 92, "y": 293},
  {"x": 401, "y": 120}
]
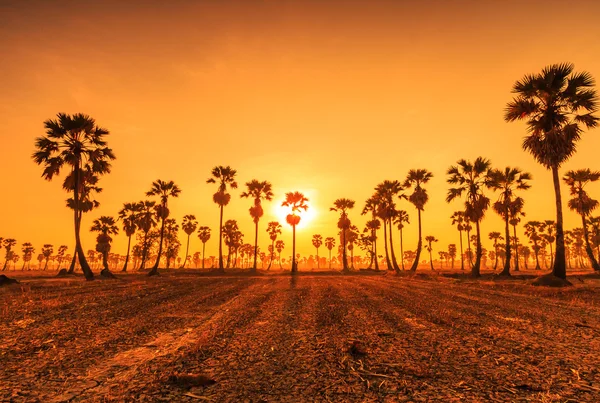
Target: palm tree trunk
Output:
[
  {"x": 344, "y": 255},
  {"x": 221, "y": 269},
  {"x": 187, "y": 249},
  {"x": 272, "y": 254},
  {"x": 280, "y": 266},
  {"x": 560, "y": 266},
  {"x": 537, "y": 259},
  {"x": 375, "y": 250},
  {"x": 588, "y": 247},
  {"x": 294, "y": 268},
  {"x": 144, "y": 251},
  {"x": 85, "y": 267},
  {"x": 385, "y": 243},
  {"x": 255, "y": 247},
  {"x": 516, "y": 248},
  {"x": 419, "y": 245},
  {"x": 127, "y": 257},
  {"x": 462, "y": 256},
  {"x": 318, "y": 262},
  {"x": 203, "y": 257},
  {"x": 401, "y": 250},
  {"x": 430, "y": 258},
  {"x": 394, "y": 261},
  {"x": 475, "y": 270},
  {"x": 46, "y": 264},
  {"x": 154, "y": 270},
  {"x": 506, "y": 269},
  {"x": 496, "y": 253}
]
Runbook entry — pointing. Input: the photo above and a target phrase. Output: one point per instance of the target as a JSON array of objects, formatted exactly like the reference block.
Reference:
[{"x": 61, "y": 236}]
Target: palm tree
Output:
[
  {"x": 372, "y": 226},
  {"x": 532, "y": 231},
  {"x": 47, "y": 251},
  {"x": 188, "y": 225},
  {"x": 329, "y": 244},
  {"x": 385, "y": 193},
  {"x": 458, "y": 219},
  {"x": 372, "y": 206},
  {"x": 550, "y": 236},
  {"x": 416, "y": 178},
  {"x": 77, "y": 142},
  {"x": 471, "y": 179},
  {"x": 233, "y": 239},
  {"x": 145, "y": 220},
  {"x": 273, "y": 229},
  {"x": 452, "y": 253},
  {"x": 317, "y": 241},
  {"x": 224, "y": 176},
  {"x": 430, "y": 239},
  {"x": 8, "y": 243},
  {"x": 342, "y": 206},
  {"x": 279, "y": 246},
  {"x": 557, "y": 103},
  {"x": 163, "y": 190},
  {"x": 105, "y": 226},
  {"x": 507, "y": 182},
  {"x": 28, "y": 251},
  {"x": 296, "y": 201},
  {"x": 128, "y": 214},
  {"x": 583, "y": 204},
  {"x": 258, "y": 191},
  {"x": 400, "y": 219},
  {"x": 204, "y": 235},
  {"x": 516, "y": 213},
  {"x": 495, "y": 237}
]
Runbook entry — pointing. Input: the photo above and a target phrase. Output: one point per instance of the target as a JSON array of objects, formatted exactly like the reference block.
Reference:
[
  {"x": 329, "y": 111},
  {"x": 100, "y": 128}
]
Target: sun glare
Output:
[{"x": 306, "y": 217}]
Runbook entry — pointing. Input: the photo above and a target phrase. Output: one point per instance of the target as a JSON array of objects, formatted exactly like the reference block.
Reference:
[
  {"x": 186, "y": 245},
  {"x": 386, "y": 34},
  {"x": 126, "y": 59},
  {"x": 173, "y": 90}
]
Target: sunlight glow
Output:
[{"x": 306, "y": 217}]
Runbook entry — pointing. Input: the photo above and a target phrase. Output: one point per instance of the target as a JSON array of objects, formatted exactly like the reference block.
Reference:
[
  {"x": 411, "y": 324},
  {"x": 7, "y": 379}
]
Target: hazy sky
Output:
[{"x": 325, "y": 97}]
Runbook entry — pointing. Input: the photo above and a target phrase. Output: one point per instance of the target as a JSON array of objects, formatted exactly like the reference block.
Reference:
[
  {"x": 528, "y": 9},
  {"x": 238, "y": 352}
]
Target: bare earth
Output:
[{"x": 282, "y": 339}]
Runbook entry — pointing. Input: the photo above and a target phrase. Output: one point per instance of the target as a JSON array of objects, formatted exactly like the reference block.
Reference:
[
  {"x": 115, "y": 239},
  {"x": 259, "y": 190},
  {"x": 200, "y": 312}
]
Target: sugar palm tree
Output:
[
  {"x": 224, "y": 177},
  {"x": 471, "y": 178},
  {"x": 557, "y": 104},
  {"x": 47, "y": 251},
  {"x": 258, "y": 191},
  {"x": 372, "y": 226},
  {"x": 516, "y": 214},
  {"x": 430, "y": 239},
  {"x": 550, "y": 236},
  {"x": 330, "y": 244},
  {"x": 279, "y": 247},
  {"x": 105, "y": 226},
  {"x": 452, "y": 253},
  {"x": 415, "y": 179},
  {"x": 8, "y": 244},
  {"x": 400, "y": 219},
  {"x": 372, "y": 206},
  {"x": 204, "y": 235},
  {"x": 163, "y": 190},
  {"x": 458, "y": 219},
  {"x": 317, "y": 241},
  {"x": 145, "y": 220},
  {"x": 386, "y": 192},
  {"x": 188, "y": 225},
  {"x": 508, "y": 182},
  {"x": 128, "y": 215},
  {"x": 28, "y": 251},
  {"x": 297, "y": 202},
  {"x": 583, "y": 204},
  {"x": 532, "y": 231},
  {"x": 495, "y": 237},
  {"x": 273, "y": 229},
  {"x": 342, "y": 206},
  {"x": 77, "y": 143}
]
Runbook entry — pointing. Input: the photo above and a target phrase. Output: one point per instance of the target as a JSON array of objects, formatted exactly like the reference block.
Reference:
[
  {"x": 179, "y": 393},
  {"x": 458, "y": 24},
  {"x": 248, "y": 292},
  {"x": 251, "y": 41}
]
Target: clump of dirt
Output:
[
  {"x": 191, "y": 380},
  {"x": 550, "y": 280},
  {"x": 6, "y": 280}
]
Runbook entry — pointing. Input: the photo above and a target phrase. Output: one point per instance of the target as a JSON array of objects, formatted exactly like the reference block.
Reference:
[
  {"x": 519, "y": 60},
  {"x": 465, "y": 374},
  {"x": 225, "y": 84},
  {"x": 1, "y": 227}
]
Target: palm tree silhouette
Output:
[
  {"x": 452, "y": 253},
  {"x": 386, "y": 192},
  {"x": 471, "y": 179},
  {"x": 495, "y": 237},
  {"x": 232, "y": 237},
  {"x": 317, "y": 241},
  {"x": 279, "y": 246},
  {"x": 458, "y": 219},
  {"x": 296, "y": 201},
  {"x": 164, "y": 190},
  {"x": 8, "y": 243},
  {"x": 47, "y": 251},
  {"x": 28, "y": 251},
  {"x": 400, "y": 218},
  {"x": 372, "y": 206},
  {"x": 78, "y": 143},
  {"x": 507, "y": 182},
  {"x": 550, "y": 237},
  {"x": 557, "y": 103},
  {"x": 516, "y": 213},
  {"x": 258, "y": 191},
  {"x": 342, "y": 206},
  {"x": 224, "y": 176},
  {"x": 430, "y": 239},
  {"x": 128, "y": 214},
  {"x": 330, "y": 244},
  {"x": 105, "y": 226},
  {"x": 532, "y": 231},
  {"x": 583, "y": 204},
  {"x": 204, "y": 235},
  {"x": 188, "y": 225},
  {"x": 416, "y": 178},
  {"x": 145, "y": 220},
  {"x": 273, "y": 229}
]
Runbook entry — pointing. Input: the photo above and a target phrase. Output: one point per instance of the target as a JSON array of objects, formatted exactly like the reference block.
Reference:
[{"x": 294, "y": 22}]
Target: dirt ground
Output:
[{"x": 307, "y": 338}]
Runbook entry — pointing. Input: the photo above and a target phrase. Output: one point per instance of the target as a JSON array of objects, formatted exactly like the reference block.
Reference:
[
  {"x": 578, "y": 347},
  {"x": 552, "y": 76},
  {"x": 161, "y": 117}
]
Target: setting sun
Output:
[{"x": 306, "y": 217}]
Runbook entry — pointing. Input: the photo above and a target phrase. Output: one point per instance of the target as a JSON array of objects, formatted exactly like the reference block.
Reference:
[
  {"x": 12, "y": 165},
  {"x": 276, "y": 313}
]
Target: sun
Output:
[{"x": 306, "y": 217}]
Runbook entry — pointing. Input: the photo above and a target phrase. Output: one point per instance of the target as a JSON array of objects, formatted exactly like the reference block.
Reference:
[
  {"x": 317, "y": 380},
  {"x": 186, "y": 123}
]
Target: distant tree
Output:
[
  {"x": 415, "y": 179},
  {"x": 549, "y": 235},
  {"x": 128, "y": 215},
  {"x": 105, "y": 226},
  {"x": 224, "y": 176},
  {"x": 47, "y": 251},
  {"x": 495, "y": 237},
  {"x": 452, "y": 253},
  {"x": 532, "y": 231},
  {"x": 296, "y": 201},
  {"x": 557, "y": 103},
  {"x": 204, "y": 235},
  {"x": 430, "y": 239},
  {"x": 458, "y": 219},
  {"x": 372, "y": 206},
  {"x": 145, "y": 221},
  {"x": 516, "y": 214},
  {"x": 385, "y": 195},
  {"x": 8, "y": 244},
  {"x": 28, "y": 251},
  {"x": 279, "y": 246},
  {"x": 329, "y": 244},
  {"x": 273, "y": 229},
  {"x": 317, "y": 241},
  {"x": 400, "y": 219},
  {"x": 258, "y": 191},
  {"x": 188, "y": 225},
  {"x": 342, "y": 206}
]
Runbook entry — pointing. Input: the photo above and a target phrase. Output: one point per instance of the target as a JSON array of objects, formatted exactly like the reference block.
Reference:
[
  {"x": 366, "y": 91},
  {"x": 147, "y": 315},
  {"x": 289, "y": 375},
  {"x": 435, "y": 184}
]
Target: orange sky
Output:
[{"x": 326, "y": 97}]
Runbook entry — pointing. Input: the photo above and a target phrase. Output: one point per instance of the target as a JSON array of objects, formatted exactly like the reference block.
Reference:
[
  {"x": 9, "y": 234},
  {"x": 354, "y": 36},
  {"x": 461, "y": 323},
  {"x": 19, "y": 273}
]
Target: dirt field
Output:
[{"x": 282, "y": 339}]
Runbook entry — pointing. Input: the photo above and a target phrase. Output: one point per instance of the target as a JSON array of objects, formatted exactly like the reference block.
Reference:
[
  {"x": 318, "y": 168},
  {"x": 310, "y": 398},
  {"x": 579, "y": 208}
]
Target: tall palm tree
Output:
[
  {"x": 372, "y": 226},
  {"x": 77, "y": 143},
  {"x": 145, "y": 220},
  {"x": 415, "y": 179},
  {"x": 495, "y": 236},
  {"x": 258, "y": 191},
  {"x": 273, "y": 229},
  {"x": 452, "y": 253},
  {"x": 8, "y": 244},
  {"x": 508, "y": 182},
  {"x": 557, "y": 104},
  {"x": 532, "y": 231},
  {"x": 296, "y": 201},
  {"x": 400, "y": 219},
  {"x": 458, "y": 219},
  {"x": 47, "y": 251},
  {"x": 372, "y": 206},
  {"x": 342, "y": 206},
  {"x": 583, "y": 204},
  {"x": 28, "y": 251},
  {"x": 188, "y": 225},
  {"x": 279, "y": 246},
  {"x": 430, "y": 239},
  {"x": 317, "y": 241},
  {"x": 550, "y": 237},
  {"x": 471, "y": 178},
  {"x": 105, "y": 226},
  {"x": 204, "y": 235},
  {"x": 163, "y": 190},
  {"x": 516, "y": 214},
  {"x": 224, "y": 176},
  {"x": 128, "y": 215},
  {"x": 386, "y": 192},
  {"x": 330, "y": 244}
]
